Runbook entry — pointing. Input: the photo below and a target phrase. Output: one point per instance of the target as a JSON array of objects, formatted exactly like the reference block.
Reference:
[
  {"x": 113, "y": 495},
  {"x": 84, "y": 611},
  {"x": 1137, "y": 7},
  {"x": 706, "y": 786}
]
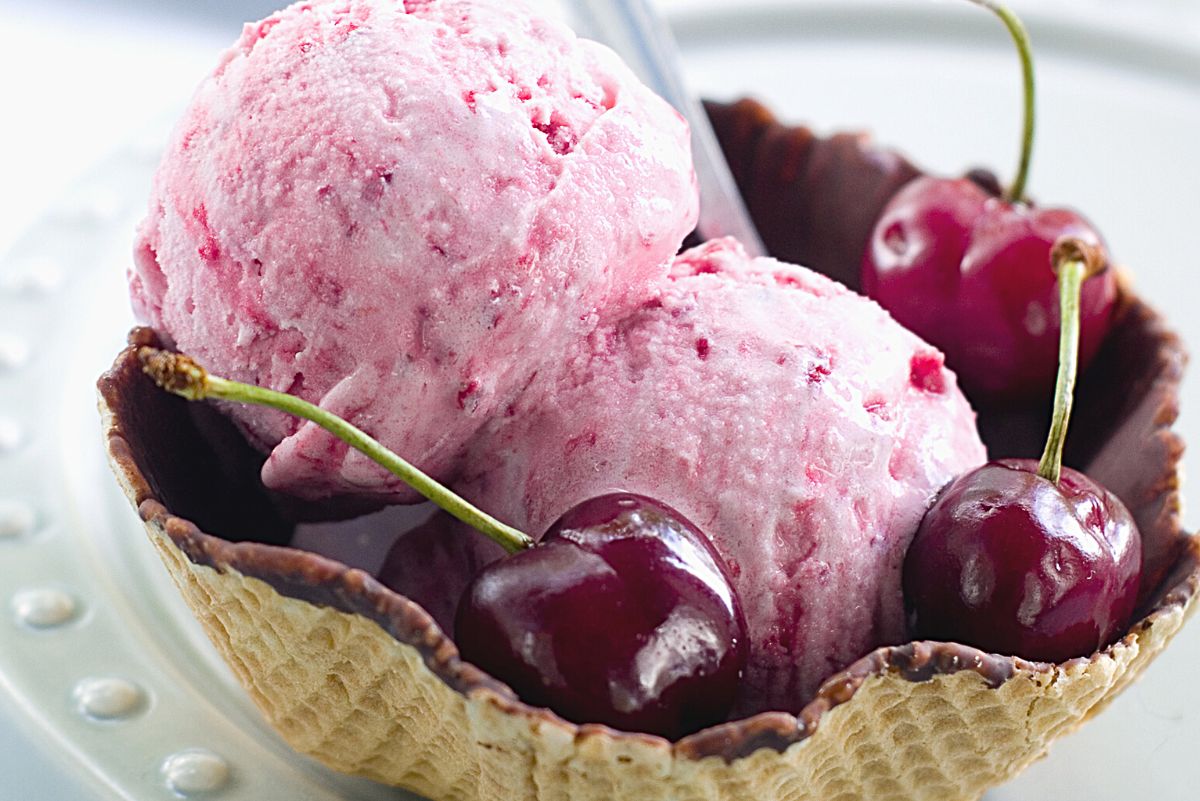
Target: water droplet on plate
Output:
[
  {"x": 107, "y": 698},
  {"x": 16, "y": 519},
  {"x": 44, "y": 608},
  {"x": 195, "y": 771}
]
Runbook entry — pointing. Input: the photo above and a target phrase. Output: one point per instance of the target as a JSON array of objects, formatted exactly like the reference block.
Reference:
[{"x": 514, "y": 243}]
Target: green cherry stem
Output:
[
  {"x": 1074, "y": 261},
  {"x": 1020, "y": 36},
  {"x": 180, "y": 374}
]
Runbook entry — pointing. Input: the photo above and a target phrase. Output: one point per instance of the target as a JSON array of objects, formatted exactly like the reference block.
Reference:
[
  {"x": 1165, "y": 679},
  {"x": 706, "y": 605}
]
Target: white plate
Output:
[{"x": 1120, "y": 113}]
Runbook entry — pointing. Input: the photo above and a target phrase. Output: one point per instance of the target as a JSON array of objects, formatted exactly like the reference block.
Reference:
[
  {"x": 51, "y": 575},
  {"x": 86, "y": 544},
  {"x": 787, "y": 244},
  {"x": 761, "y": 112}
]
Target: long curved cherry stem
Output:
[
  {"x": 1016, "y": 192},
  {"x": 180, "y": 374},
  {"x": 1074, "y": 261}
]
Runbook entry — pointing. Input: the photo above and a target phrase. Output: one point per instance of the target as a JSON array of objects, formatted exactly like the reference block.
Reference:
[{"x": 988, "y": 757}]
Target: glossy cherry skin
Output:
[
  {"x": 434, "y": 563},
  {"x": 623, "y": 614},
  {"x": 1010, "y": 563},
  {"x": 972, "y": 274}
]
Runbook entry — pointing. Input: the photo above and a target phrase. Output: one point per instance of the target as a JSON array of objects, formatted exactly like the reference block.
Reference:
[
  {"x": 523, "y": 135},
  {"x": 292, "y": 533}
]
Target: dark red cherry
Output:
[
  {"x": 969, "y": 270},
  {"x": 433, "y": 564},
  {"x": 623, "y": 614},
  {"x": 1011, "y": 563},
  {"x": 971, "y": 273}
]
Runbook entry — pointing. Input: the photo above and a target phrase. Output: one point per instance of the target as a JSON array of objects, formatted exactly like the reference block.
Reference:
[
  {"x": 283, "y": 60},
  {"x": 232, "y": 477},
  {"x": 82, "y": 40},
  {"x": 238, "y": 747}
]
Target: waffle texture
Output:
[{"x": 341, "y": 689}]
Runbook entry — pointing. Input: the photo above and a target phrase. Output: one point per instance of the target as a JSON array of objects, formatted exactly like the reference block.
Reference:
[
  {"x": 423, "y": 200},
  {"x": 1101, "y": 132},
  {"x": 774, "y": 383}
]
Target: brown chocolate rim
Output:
[
  {"x": 126, "y": 394},
  {"x": 316, "y": 579}
]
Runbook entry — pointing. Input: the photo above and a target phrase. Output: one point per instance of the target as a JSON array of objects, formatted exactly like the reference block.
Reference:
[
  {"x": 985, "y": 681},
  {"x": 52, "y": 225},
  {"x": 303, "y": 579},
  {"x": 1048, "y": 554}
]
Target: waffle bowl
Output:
[{"x": 363, "y": 680}]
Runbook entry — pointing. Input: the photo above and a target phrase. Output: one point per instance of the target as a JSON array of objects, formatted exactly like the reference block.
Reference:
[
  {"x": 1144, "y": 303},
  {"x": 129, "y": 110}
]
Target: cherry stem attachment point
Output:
[
  {"x": 1075, "y": 261},
  {"x": 181, "y": 375},
  {"x": 1020, "y": 36}
]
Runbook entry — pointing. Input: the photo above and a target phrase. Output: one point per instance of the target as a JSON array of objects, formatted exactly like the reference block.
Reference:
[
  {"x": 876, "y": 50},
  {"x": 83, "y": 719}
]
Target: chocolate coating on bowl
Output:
[
  {"x": 191, "y": 482},
  {"x": 1125, "y": 402},
  {"x": 813, "y": 199}
]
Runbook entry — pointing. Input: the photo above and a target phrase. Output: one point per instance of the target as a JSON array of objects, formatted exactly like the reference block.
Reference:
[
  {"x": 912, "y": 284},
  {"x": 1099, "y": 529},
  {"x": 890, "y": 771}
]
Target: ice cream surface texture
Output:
[
  {"x": 454, "y": 224},
  {"x": 792, "y": 420},
  {"x": 401, "y": 211}
]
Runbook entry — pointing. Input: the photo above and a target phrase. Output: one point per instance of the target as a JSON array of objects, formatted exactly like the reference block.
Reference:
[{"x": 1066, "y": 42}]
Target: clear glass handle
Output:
[{"x": 639, "y": 34}]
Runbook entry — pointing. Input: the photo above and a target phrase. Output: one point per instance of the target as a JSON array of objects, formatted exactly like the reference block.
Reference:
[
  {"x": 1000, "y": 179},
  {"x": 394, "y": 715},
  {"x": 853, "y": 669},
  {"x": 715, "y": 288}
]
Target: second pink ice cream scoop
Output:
[{"x": 793, "y": 421}]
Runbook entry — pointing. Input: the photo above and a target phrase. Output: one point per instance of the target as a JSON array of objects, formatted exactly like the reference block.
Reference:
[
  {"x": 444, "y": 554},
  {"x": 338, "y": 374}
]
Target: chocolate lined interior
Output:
[
  {"x": 193, "y": 458},
  {"x": 815, "y": 201}
]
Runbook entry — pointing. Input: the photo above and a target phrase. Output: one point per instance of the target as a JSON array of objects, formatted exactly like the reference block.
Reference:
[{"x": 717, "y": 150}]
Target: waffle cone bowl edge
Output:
[{"x": 363, "y": 680}]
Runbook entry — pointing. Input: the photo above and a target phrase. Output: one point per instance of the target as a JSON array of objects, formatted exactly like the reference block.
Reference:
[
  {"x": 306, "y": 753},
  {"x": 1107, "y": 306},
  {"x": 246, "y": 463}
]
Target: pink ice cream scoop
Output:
[
  {"x": 792, "y": 420},
  {"x": 402, "y": 211}
]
